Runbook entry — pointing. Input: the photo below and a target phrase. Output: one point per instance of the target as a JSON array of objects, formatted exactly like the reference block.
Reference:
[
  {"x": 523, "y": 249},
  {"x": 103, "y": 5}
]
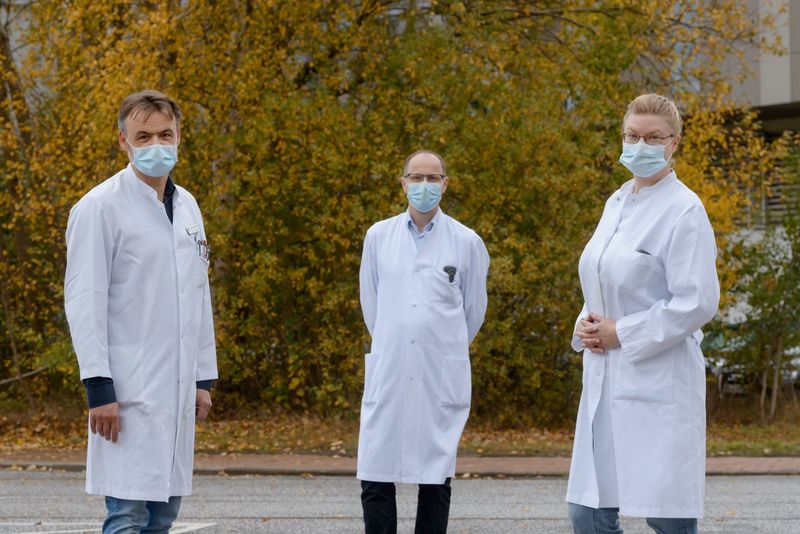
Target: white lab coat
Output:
[
  {"x": 138, "y": 304},
  {"x": 417, "y": 382},
  {"x": 640, "y": 434}
]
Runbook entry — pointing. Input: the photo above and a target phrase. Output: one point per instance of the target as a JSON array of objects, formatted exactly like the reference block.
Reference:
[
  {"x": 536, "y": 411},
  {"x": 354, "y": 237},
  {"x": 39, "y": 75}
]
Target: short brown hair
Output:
[
  {"x": 424, "y": 151},
  {"x": 148, "y": 102}
]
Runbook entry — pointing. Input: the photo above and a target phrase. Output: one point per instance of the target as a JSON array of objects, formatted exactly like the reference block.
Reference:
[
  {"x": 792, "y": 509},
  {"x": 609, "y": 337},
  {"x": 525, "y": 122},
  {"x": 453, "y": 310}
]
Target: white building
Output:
[{"x": 774, "y": 87}]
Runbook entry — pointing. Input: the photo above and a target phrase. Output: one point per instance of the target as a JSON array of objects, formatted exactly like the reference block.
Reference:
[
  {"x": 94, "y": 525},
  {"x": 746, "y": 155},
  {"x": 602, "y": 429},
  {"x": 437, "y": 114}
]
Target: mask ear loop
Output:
[
  {"x": 671, "y": 160},
  {"x": 130, "y": 150}
]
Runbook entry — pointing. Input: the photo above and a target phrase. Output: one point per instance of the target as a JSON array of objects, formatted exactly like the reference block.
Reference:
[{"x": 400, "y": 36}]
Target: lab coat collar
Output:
[
  {"x": 430, "y": 227},
  {"x": 146, "y": 190},
  {"x": 645, "y": 192}
]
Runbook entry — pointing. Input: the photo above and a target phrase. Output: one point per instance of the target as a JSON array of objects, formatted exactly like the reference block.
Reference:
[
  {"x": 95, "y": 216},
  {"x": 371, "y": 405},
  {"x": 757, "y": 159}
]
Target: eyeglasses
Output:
[
  {"x": 430, "y": 178},
  {"x": 632, "y": 139}
]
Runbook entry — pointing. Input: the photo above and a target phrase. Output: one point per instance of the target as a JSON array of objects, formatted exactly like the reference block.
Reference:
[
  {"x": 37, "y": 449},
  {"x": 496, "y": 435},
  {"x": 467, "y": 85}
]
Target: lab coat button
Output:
[
  {"x": 413, "y": 341},
  {"x": 414, "y": 305}
]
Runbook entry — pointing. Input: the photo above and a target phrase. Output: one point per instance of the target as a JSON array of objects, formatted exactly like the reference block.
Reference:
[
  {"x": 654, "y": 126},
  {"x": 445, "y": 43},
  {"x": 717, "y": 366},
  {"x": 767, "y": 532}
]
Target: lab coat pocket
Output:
[
  {"x": 201, "y": 279},
  {"x": 648, "y": 380},
  {"x": 370, "y": 379},
  {"x": 199, "y": 270},
  {"x": 189, "y": 248},
  {"x": 126, "y": 371},
  {"x": 456, "y": 383},
  {"x": 443, "y": 291},
  {"x": 642, "y": 271}
]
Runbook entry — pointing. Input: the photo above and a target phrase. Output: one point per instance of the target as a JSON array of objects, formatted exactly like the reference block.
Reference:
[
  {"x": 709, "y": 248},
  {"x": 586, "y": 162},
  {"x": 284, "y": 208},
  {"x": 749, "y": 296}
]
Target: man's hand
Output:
[
  {"x": 105, "y": 420},
  {"x": 203, "y": 404}
]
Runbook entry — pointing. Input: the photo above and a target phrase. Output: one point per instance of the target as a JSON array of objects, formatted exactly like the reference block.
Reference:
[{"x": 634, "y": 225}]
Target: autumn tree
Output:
[
  {"x": 763, "y": 332},
  {"x": 298, "y": 116}
]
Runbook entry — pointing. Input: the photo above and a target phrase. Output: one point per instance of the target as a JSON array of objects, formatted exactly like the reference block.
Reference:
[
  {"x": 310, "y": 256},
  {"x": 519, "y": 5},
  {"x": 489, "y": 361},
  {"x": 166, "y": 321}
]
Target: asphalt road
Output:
[{"x": 54, "y": 502}]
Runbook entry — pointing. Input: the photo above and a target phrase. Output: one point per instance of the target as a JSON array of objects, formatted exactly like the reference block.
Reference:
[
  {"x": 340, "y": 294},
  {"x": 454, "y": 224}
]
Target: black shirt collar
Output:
[{"x": 169, "y": 189}]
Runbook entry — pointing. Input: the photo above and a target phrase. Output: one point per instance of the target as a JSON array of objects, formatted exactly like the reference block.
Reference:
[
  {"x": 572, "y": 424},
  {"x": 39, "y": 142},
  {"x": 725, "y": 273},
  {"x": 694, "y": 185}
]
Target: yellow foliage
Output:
[{"x": 297, "y": 118}]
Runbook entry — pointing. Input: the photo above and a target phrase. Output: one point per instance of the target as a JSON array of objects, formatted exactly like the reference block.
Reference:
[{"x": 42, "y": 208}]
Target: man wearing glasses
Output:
[
  {"x": 138, "y": 304},
  {"x": 423, "y": 295}
]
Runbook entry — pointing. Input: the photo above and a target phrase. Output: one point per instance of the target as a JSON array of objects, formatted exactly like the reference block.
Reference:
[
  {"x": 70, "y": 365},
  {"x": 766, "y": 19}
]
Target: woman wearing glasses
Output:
[{"x": 649, "y": 282}]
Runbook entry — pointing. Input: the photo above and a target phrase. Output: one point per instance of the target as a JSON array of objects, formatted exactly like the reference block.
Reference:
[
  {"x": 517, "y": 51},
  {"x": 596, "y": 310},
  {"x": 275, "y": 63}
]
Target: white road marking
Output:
[
  {"x": 177, "y": 528},
  {"x": 49, "y": 524},
  {"x": 181, "y": 528}
]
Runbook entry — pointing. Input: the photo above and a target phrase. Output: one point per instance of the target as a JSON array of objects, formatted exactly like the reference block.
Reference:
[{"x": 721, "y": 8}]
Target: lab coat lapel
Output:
[
  {"x": 417, "y": 250},
  {"x": 410, "y": 248},
  {"x": 605, "y": 231},
  {"x": 590, "y": 282},
  {"x": 431, "y": 242}
]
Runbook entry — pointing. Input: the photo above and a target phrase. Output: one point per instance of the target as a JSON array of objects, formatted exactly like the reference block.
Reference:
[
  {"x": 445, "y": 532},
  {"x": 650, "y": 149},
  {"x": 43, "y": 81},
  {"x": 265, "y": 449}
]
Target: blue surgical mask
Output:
[
  {"x": 154, "y": 160},
  {"x": 643, "y": 160},
  {"x": 424, "y": 196}
]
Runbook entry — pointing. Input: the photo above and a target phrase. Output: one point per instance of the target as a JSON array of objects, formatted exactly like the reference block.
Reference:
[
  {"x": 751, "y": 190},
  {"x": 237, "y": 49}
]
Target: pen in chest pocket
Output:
[{"x": 203, "y": 249}]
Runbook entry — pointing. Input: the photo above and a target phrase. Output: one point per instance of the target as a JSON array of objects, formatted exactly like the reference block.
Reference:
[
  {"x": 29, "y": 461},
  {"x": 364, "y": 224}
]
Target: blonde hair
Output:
[{"x": 653, "y": 104}]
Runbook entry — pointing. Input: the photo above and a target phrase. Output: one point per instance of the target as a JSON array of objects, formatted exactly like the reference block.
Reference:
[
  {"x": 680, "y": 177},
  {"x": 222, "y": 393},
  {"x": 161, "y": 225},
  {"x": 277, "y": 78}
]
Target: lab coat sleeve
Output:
[
  {"x": 207, "y": 347},
  {"x": 690, "y": 264},
  {"x": 474, "y": 286},
  {"x": 577, "y": 343},
  {"x": 90, "y": 252},
  {"x": 368, "y": 281}
]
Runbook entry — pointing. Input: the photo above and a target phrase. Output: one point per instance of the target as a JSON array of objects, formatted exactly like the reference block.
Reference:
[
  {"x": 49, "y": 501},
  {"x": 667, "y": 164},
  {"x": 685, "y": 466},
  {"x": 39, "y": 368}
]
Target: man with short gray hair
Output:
[{"x": 138, "y": 303}]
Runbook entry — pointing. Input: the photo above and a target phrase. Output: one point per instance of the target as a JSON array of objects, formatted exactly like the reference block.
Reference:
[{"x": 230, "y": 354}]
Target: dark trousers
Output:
[{"x": 380, "y": 508}]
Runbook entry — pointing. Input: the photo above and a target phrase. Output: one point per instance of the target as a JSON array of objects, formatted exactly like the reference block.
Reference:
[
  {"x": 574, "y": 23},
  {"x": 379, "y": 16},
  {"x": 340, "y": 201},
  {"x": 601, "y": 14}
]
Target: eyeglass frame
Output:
[
  {"x": 425, "y": 178},
  {"x": 646, "y": 137}
]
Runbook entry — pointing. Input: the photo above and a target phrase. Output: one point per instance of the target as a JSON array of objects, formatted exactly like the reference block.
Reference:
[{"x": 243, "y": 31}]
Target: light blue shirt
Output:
[{"x": 415, "y": 233}]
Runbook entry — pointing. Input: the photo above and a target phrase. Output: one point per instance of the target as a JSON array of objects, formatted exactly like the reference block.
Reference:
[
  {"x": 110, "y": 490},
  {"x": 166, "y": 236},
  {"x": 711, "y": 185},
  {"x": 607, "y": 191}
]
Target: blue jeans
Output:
[
  {"x": 587, "y": 520},
  {"x": 134, "y": 517}
]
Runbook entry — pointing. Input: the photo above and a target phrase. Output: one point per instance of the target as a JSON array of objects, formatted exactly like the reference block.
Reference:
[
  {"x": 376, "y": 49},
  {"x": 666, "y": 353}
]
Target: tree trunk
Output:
[
  {"x": 763, "y": 397},
  {"x": 19, "y": 118},
  {"x": 776, "y": 376},
  {"x": 17, "y": 362}
]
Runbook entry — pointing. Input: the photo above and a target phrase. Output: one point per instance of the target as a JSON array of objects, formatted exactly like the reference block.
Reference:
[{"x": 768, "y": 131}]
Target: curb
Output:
[{"x": 317, "y": 465}]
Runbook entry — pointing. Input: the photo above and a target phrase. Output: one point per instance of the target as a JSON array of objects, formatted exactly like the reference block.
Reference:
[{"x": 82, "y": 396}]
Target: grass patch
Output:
[
  {"x": 285, "y": 433},
  {"x": 781, "y": 438}
]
